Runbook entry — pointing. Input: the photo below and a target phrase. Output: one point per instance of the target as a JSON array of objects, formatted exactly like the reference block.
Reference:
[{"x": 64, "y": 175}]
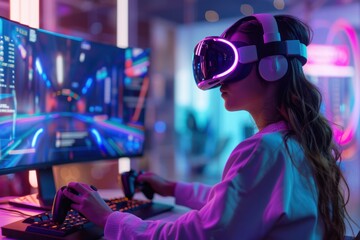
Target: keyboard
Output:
[{"x": 75, "y": 226}]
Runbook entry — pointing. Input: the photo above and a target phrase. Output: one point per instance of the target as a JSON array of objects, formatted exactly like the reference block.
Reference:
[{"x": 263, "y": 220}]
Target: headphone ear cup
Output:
[{"x": 273, "y": 68}]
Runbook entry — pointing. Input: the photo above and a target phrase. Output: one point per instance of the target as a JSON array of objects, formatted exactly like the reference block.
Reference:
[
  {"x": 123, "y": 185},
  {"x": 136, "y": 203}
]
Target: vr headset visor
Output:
[{"x": 215, "y": 59}]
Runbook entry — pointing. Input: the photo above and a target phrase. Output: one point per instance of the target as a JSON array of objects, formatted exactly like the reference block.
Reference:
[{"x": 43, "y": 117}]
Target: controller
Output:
[
  {"x": 62, "y": 204},
  {"x": 131, "y": 184}
]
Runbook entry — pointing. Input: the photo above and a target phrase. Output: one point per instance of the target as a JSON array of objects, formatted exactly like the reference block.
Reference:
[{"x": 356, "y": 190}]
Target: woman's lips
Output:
[{"x": 223, "y": 91}]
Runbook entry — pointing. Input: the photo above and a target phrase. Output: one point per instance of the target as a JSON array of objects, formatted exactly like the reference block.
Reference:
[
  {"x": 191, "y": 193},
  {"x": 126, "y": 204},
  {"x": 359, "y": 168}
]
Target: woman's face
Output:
[{"x": 246, "y": 94}]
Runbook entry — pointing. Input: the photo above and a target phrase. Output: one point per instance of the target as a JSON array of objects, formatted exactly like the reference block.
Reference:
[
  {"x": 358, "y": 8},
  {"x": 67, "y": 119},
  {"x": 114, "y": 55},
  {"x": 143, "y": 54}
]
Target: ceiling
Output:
[
  {"x": 177, "y": 11},
  {"x": 187, "y": 11},
  {"x": 97, "y": 17}
]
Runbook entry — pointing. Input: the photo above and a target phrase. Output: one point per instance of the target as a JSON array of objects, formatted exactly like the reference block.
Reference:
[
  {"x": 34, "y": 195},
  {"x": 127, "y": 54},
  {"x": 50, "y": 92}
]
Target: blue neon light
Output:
[
  {"x": 38, "y": 132},
  {"x": 97, "y": 135}
]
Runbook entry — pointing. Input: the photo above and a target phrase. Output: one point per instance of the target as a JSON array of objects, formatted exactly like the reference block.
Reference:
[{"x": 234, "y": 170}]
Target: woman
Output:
[{"x": 281, "y": 183}]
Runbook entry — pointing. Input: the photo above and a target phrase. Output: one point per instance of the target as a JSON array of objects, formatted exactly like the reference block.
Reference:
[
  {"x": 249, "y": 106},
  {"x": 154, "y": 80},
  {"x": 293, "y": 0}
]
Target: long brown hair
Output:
[{"x": 299, "y": 104}]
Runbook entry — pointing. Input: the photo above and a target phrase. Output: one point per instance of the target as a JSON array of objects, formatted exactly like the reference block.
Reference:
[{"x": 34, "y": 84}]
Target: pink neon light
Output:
[
  {"x": 329, "y": 70},
  {"x": 328, "y": 55},
  {"x": 233, "y": 66},
  {"x": 345, "y": 136}
]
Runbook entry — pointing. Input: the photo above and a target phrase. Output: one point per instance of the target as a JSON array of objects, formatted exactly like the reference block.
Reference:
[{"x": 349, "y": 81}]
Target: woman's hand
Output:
[
  {"x": 89, "y": 203},
  {"x": 158, "y": 184}
]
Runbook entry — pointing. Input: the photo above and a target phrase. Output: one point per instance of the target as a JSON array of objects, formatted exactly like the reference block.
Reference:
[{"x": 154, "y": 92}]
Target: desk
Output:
[{"x": 7, "y": 217}]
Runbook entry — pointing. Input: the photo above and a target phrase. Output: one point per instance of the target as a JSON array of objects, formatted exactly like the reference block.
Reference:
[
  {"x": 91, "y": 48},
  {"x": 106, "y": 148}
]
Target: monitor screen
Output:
[{"x": 66, "y": 100}]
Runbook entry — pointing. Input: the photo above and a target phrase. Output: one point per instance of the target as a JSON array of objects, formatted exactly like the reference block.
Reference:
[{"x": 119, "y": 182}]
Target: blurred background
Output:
[{"x": 189, "y": 133}]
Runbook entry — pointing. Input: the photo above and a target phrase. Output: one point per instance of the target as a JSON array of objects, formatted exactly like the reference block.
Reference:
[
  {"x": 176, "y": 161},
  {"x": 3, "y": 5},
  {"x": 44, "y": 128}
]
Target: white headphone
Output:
[{"x": 274, "y": 66}]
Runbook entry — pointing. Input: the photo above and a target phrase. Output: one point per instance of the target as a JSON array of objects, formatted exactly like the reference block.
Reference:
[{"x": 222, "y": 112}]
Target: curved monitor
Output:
[{"x": 66, "y": 100}]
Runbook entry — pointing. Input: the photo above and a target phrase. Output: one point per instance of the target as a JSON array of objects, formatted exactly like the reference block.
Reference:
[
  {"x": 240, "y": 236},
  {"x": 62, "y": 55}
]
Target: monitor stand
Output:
[{"x": 46, "y": 192}]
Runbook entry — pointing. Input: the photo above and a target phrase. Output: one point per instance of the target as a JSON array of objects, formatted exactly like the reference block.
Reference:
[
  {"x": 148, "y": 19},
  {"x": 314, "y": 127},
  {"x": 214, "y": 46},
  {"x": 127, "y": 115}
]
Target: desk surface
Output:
[{"x": 7, "y": 217}]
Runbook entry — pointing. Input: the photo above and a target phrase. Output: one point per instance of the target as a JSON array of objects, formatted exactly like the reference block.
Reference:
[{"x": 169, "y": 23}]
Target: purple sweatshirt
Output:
[{"x": 264, "y": 194}]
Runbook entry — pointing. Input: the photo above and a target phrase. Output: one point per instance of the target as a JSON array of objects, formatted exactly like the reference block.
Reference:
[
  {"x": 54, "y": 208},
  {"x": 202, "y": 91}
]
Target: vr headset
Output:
[{"x": 216, "y": 60}]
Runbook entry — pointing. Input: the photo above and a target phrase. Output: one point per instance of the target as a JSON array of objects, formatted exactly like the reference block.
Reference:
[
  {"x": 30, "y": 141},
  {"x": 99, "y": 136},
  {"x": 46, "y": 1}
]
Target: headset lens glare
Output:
[{"x": 211, "y": 59}]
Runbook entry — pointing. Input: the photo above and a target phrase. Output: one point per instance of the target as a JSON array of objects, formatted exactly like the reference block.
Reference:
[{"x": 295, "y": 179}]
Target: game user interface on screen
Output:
[{"x": 66, "y": 100}]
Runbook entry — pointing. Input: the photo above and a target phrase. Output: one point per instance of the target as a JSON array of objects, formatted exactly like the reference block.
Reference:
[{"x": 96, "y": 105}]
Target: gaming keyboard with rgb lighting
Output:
[{"x": 41, "y": 226}]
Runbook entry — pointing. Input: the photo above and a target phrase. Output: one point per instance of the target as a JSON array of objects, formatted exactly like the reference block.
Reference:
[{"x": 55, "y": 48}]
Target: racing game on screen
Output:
[{"x": 63, "y": 99}]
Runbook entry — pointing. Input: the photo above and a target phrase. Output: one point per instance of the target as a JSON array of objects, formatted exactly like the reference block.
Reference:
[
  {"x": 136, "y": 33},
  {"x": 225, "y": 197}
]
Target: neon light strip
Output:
[
  {"x": 122, "y": 26},
  {"x": 140, "y": 103},
  {"x": 25, "y": 12},
  {"x": 15, "y": 10},
  {"x": 122, "y": 23},
  {"x": 344, "y": 137},
  {"x": 328, "y": 70},
  {"x": 328, "y": 55}
]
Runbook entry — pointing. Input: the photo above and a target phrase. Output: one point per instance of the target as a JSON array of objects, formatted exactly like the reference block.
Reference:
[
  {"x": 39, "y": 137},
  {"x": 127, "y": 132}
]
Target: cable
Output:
[{"x": 16, "y": 211}]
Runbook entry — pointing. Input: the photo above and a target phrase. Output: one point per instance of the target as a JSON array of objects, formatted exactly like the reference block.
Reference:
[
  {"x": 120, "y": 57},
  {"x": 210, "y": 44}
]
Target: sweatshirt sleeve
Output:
[
  {"x": 127, "y": 226},
  {"x": 192, "y": 195}
]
